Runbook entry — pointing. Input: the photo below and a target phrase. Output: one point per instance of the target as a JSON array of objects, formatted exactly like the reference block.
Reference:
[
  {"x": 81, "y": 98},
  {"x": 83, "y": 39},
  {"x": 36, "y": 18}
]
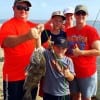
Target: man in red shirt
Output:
[
  {"x": 17, "y": 38},
  {"x": 84, "y": 46}
]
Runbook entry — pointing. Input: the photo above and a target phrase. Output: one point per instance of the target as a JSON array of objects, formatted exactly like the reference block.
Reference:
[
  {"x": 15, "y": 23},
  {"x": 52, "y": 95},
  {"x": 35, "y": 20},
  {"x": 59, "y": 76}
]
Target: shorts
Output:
[{"x": 87, "y": 86}]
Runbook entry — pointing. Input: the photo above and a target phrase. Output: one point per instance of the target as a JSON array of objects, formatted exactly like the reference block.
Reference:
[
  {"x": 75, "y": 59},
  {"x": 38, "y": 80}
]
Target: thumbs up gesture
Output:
[{"x": 77, "y": 51}]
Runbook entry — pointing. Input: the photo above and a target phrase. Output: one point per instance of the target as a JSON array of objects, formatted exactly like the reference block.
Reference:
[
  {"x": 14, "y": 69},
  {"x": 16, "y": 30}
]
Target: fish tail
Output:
[{"x": 27, "y": 96}]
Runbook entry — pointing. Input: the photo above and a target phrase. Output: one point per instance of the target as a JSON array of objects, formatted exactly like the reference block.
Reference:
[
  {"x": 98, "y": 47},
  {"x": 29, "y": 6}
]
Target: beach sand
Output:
[
  {"x": 1, "y": 94},
  {"x": 1, "y": 63}
]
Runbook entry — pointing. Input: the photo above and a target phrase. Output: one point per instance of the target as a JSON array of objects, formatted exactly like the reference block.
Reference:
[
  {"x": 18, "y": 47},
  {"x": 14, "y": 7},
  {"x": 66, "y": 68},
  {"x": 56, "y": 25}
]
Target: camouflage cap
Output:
[
  {"x": 81, "y": 8},
  {"x": 19, "y": 1}
]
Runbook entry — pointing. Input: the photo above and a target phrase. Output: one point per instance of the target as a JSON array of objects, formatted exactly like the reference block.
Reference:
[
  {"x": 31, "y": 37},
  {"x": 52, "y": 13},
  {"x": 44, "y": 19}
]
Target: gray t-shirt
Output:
[{"x": 54, "y": 82}]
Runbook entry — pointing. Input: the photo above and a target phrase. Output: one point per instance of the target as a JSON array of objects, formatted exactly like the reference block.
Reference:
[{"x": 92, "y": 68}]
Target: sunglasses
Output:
[
  {"x": 80, "y": 13},
  {"x": 19, "y": 7}
]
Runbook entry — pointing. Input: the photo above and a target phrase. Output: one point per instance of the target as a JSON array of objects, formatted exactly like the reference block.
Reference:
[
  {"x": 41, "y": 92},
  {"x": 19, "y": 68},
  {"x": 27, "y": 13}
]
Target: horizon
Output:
[
  {"x": 2, "y": 20},
  {"x": 95, "y": 23}
]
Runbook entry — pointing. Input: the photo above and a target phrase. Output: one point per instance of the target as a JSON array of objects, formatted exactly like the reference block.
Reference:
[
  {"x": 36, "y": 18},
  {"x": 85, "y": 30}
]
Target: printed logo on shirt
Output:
[{"x": 81, "y": 42}]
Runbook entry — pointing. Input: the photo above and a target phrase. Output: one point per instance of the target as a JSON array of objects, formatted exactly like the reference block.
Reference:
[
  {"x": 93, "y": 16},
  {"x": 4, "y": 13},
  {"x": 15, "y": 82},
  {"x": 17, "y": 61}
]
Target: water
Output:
[
  {"x": 96, "y": 24},
  {"x": 98, "y": 68}
]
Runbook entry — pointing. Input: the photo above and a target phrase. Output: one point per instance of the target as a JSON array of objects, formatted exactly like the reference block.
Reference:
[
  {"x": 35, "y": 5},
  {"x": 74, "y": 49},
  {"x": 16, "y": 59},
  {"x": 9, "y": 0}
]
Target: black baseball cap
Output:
[{"x": 61, "y": 42}]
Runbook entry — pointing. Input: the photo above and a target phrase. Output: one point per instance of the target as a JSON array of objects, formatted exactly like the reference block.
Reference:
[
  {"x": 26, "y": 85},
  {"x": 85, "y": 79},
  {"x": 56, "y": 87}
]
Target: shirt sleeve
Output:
[
  {"x": 71, "y": 66},
  {"x": 93, "y": 35}
]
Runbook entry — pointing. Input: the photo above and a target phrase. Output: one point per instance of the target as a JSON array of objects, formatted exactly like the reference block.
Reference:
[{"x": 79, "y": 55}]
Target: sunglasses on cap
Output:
[
  {"x": 19, "y": 7},
  {"x": 80, "y": 13}
]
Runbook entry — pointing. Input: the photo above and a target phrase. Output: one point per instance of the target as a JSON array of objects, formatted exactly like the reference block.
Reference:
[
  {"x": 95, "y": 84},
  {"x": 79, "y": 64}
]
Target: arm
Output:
[
  {"x": 69, "y": 71},
  {"x": 95, "y": 51},
  {"x": 62, "y": 70},
  {"x": 38, "y": 40},
  {"x": 12, "y": 41}
]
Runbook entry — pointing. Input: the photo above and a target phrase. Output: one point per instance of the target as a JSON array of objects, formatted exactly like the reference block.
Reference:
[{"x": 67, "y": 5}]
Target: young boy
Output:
[{"x": 59, "y": 71}]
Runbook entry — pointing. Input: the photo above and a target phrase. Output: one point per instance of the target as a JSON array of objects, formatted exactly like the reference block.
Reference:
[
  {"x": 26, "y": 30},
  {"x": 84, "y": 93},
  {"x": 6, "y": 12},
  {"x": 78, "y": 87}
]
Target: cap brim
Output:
[
  {"x": 82, "y": 10},
  {"x": 64, "y": 46},
  {"x": 60, "y": 16}
]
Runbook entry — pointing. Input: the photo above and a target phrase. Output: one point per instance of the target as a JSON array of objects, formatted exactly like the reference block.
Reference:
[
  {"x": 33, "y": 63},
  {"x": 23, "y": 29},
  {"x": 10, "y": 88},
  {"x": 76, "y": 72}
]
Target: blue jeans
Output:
[{"x": 14, "y": 90}]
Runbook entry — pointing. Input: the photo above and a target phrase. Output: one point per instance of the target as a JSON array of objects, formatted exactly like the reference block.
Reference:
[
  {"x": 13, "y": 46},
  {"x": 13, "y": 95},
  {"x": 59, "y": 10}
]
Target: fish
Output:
[
  {"x": 95, "y": 98},
  {"x": 35, "y": 71}
]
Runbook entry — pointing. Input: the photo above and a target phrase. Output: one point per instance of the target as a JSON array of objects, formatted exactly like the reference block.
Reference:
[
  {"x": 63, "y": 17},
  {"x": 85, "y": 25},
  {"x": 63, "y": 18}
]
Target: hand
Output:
[
  {"x": 40, "y": 27},
  {"x": 66, "y": 72},
  {"x": 36, "y": 32},
  {"x": 50, "y": 42},
  {"x": 77, "y": 51}
]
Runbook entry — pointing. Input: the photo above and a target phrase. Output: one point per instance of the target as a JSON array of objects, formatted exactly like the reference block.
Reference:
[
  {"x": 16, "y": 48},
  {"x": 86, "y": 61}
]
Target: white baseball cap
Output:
[
  {"x": 68, "y": 10},
  {"x": 58, "y": 13}
]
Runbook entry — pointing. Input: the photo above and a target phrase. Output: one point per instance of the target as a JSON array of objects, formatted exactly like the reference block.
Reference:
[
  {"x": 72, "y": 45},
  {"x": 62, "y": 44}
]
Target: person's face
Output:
[
  {"x": 57, "y": 22},
  {"x": 21, "y": 10},
  {"x": 69, "y": 16},
  {"x": 60, "y": 51},
  {"x": 80, "y": 17}
]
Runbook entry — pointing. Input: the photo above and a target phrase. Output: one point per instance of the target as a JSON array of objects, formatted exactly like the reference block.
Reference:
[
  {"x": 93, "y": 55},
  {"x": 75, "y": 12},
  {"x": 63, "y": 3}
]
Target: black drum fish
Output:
[{"x": 35, "y": 71}]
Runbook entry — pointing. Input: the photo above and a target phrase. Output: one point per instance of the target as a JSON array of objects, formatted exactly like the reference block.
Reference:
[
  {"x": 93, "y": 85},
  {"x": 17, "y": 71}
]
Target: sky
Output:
[{"x": 42, "y": 9}]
